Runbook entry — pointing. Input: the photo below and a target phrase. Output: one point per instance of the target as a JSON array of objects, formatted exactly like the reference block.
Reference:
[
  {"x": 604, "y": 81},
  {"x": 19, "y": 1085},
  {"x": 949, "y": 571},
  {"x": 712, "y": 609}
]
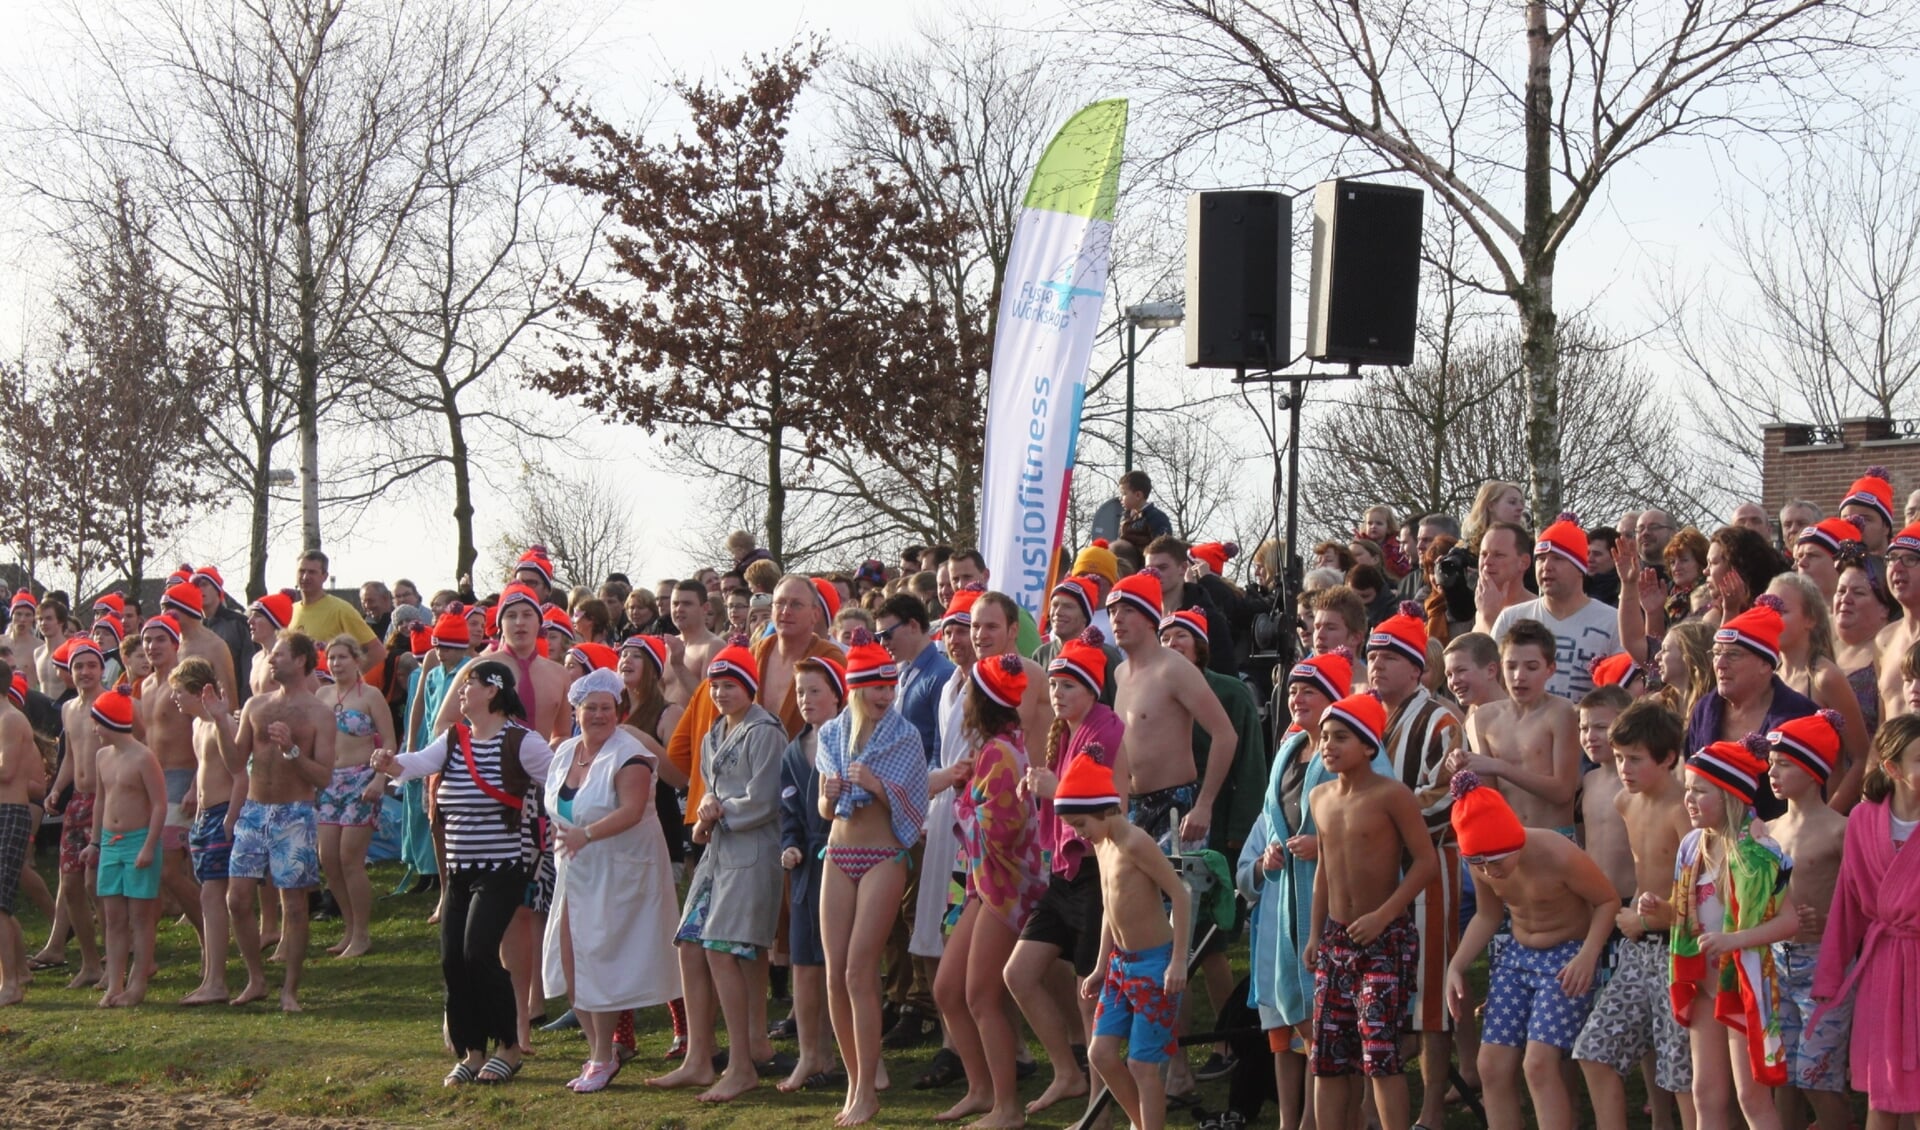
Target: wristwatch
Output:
[
  {"x": 588, "y": 829},
  {"x": 293, "y": 753}
]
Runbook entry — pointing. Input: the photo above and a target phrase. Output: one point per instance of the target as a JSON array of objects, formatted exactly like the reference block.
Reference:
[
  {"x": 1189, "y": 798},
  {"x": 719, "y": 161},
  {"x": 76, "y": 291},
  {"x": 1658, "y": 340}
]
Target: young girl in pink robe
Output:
[{"x": 1874, "y": 928}]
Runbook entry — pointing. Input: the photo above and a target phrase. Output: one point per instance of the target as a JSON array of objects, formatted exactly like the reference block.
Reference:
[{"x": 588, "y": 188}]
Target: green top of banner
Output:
[{"x": 1079, "y": 174}]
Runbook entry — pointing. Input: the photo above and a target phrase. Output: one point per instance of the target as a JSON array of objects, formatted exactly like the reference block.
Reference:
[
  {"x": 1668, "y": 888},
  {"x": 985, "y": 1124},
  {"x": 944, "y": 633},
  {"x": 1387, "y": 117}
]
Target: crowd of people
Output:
[{"x": 1659, "y": 780}]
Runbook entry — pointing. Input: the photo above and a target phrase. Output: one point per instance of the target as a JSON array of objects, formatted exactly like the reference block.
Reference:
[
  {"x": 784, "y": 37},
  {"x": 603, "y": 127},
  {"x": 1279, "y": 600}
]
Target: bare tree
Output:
[
  {"x": 473, "y": 275},
  {"x": 1827, "y": 294},
  {"x": 1428, "y": 91},
  {"x": 268, "y": 137},
  {"x": 587, "y": 529}
]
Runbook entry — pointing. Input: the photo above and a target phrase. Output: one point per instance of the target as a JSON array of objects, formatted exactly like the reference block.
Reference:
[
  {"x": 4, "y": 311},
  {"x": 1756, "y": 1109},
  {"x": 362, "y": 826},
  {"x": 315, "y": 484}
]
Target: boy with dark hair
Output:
[
  {"x": 1142, "y": 970},
  {"x": 1363, "y": 945},
  {"x": 194, "y": 689},
  {"x": 1529, "y": 744},
  {"x": 1632, "y": 1016}
]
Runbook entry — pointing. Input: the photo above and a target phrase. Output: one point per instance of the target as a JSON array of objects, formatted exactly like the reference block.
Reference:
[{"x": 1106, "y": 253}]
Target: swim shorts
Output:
[
  {"x": 210, "y": 845},
  {"x": 284, "y": 837},
  {"x": 693, "y": 926},
  {"x": 1068, "y": 917},
  {"x": 1816, "y": 1056},
  {"x": 16, "y": 835},
  {"x": 1135, "y": 1004},
  {"x": 118, "y": 877},
  {"x": 1152, "y": 812},
  {"x": 1360, "y": 997},
  {"x": 173, "y": 837},
  {"x": 1525, "y": 1004},
  {"x": 339, "y": 802},
  {"x": 76, "y": 825},
  {"x": 1633, "y": 1015}
]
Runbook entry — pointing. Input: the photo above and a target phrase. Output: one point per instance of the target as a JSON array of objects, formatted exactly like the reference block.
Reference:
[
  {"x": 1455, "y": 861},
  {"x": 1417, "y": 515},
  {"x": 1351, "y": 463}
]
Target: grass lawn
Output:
[{"x": 368, "y": 1045}]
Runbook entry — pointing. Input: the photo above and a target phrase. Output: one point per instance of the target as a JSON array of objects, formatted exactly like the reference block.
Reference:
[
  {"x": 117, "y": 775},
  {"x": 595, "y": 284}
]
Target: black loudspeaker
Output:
[
  {"x": 1237, "y": 282},
  {"x": 1365, "y": 285}
]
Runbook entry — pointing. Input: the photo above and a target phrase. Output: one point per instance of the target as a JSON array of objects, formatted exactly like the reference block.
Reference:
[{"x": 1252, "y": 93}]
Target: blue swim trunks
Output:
[
  {"x": 1817, "y": 1055},
  {"x": 1525, "y": 1003},
  {"x": 285, "y": 836},
  {"x": 1135, "y": 1004},
  {"x": 118, "y": 877},
  {"x": 210, "y": 845}
]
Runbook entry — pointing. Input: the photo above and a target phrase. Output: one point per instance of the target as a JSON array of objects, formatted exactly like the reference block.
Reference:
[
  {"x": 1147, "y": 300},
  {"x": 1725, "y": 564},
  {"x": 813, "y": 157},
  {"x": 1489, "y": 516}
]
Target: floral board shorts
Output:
[
  {"x": 285, "y": 837},
  {"x": 1135, "y": 1004},
  {"x": 1360, "y": 998},
  {"x": 76, "y": 826},
  {"x": 339, "y": 803},
  {"x": 1816, "y": 1056},
  {"x": 694, "y": 923}
]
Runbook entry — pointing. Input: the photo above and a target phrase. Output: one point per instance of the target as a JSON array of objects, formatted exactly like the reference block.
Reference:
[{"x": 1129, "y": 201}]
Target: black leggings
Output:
[{"x": 480, "y": 1007}]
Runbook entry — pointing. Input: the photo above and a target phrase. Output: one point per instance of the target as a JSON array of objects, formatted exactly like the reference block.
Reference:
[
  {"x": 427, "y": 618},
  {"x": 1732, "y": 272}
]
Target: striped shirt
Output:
[{"x": 478, "y": 836}]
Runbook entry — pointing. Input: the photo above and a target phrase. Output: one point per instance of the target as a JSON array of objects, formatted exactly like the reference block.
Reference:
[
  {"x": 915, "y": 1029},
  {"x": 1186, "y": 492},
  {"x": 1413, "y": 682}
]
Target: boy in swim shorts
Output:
[
  {"x": 1562, "y": 907},
  {"x": 128, "y": 815},
  {"x": 1363, "y": 946},
  {"x": 195, "y": 691},
  {"x": 1142, "y": 969}
]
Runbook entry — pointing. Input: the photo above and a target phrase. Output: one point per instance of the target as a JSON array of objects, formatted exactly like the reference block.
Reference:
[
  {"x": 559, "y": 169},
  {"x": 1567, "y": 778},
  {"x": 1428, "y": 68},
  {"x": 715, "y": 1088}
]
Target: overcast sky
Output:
[{"x": 1662, "y": 214}]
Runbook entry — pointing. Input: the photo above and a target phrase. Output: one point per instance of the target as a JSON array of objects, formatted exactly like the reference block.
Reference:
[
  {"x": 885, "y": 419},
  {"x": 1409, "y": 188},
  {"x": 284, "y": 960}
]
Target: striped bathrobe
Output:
[{"x": 1421, "y": 732}]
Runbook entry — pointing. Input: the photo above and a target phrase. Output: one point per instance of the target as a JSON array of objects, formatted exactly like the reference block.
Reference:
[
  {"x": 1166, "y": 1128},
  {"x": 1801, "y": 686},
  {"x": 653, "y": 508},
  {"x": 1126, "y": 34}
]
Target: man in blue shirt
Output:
[{"x": 902, "y": 626}]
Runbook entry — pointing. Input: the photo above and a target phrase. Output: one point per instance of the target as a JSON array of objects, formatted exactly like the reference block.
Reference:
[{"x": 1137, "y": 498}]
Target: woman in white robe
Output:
[{"x": 609, "y": 941}]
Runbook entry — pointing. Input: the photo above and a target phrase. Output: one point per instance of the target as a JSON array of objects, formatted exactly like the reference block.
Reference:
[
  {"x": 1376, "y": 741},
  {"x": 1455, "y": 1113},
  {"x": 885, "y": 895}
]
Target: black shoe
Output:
[
  {"x": 1217, "y": 1067},
  {"x": 1225, "y": 1120},
  {"x": 1026, "y": 1069},
  {"x": 912, "y": 1030},
  {"x": 423, "y": 884},
  {"x": 889, "y": 1015},
  {"x": 944, "y": 1071},
  {"x": 783, "y": 1030}
]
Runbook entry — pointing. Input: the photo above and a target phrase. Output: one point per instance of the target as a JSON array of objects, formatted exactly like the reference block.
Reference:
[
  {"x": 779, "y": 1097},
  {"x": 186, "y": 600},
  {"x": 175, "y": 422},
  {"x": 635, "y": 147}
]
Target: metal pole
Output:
[
  {"x": 1293, "y": 562},
  {"x": 1127, "y": 460}
]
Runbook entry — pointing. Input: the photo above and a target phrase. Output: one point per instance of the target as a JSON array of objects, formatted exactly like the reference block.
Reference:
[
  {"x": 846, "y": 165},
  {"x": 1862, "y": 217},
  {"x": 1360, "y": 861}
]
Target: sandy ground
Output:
[{"x": 47, "y": 1103}]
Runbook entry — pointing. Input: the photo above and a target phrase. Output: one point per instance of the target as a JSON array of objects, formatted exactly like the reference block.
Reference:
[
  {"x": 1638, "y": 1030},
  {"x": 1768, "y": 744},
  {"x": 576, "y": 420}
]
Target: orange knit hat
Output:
[{"x": 1483, "y": 820}]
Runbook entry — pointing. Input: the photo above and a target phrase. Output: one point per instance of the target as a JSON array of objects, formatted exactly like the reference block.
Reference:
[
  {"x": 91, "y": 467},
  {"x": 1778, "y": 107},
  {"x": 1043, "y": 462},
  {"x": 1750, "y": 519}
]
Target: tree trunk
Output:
[
  {"x": 307, "y": 357},
  {"x": 1539, "y": 349},
  {"x": 259, "y": 500},
  {"x": 776, "y": 495},
  {"x": 466, "y": 554}
]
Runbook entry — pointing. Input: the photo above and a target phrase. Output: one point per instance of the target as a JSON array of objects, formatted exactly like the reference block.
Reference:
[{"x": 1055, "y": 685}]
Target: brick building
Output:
[{"x": 1818, "y": 463}]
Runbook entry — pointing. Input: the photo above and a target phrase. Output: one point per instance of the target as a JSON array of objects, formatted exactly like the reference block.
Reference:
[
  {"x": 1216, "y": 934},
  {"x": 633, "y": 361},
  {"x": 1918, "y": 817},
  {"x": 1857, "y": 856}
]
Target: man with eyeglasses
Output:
[
  {"x": 1747, "y": 696},
  {"x": 1903, "y": 582},
  {"x": 1654, "y": 530}
]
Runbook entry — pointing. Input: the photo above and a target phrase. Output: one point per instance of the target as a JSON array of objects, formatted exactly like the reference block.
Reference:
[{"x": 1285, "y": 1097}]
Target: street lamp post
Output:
[{"x": 1154, "y": 316}]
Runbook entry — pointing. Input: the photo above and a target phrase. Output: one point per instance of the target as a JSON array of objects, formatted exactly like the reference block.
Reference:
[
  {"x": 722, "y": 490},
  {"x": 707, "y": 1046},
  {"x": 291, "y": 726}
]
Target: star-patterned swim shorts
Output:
[{"x": 1525, "y": 1004}]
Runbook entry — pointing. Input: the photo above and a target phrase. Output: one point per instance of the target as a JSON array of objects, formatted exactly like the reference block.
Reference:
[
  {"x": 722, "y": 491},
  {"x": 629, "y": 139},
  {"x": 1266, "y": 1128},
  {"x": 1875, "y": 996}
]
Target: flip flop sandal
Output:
[
  {"x": 460, "y": 1075},
  {"x": 824, "y": 1080},
  {"x": 501, "y": 1070},
  {"x": 40, "y": 963}
]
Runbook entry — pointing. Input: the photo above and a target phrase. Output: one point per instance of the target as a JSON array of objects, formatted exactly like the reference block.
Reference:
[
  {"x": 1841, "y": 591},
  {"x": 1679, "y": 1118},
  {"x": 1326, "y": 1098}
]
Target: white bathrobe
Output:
[
  {"x": 617, "y": 895},
  {"x": 942, "y": 856}
]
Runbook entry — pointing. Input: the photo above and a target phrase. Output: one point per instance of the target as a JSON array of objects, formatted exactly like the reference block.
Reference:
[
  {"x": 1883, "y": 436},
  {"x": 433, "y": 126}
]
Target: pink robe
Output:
[{"x": 1876, "y": 916}]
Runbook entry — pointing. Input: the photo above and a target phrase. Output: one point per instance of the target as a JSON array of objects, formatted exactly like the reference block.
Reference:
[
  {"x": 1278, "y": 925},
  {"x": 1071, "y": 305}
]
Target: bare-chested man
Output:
[
  {"x": 1903, "y": 581},
  {"x": 22, "y": 612},
  {"x": 996, "y": 620},
  {"x": 690, "y": 614},
  {"x": 799, "y": 621},
  {"x": 22, "y": 778},
  {"x": 541, "y": 682},
  {"x": 1632, "y": 1019},
  {"x": 197, "y": 641},
  {"x": 75, "y": 893},
  {"x": 1530, "y": 742},
  {"x": 266, "y": 618},
  {"x": 1561, "y": 907},
  {"x": 56, "y": 624},
  {"x": 1161, "y": 696},
  {"x": 169, "y": 734},
  {"x": 285, "y": 741},
  {"x": 195, "y": 691}
]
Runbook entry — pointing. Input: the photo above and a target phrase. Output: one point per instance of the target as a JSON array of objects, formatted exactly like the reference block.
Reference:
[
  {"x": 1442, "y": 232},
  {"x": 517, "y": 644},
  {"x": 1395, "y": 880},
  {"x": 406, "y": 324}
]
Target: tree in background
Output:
[
  {"x": 769, "y": 314},
  {"x": 1516, "y": 144},
  {"x": 586, "y": 530}
]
